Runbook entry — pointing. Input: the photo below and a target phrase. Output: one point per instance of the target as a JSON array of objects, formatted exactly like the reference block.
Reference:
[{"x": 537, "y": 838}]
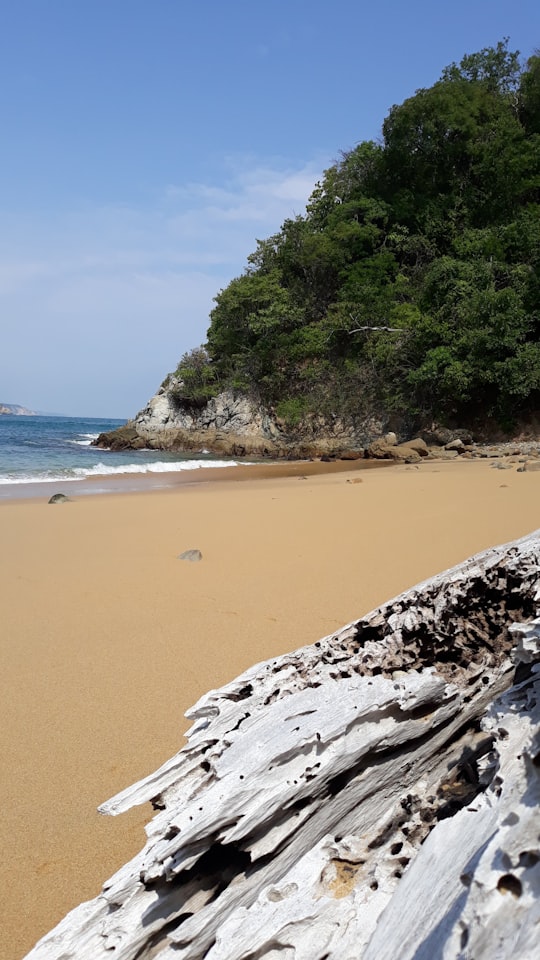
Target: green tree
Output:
[
  {"x": 412, "y": 282},
  {"x": 198, "y": 378}
]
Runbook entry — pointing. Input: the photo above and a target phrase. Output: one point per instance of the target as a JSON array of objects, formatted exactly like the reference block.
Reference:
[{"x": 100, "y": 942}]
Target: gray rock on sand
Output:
[
  {"x": 407, "y": 452},
  {"x": 192, "y": 555},
  {"x": 418, "y": 445},
  {"x": 60, "y": 498},
  {"x": 441, "y": 453},
  {"x": 456, "y": 444}
]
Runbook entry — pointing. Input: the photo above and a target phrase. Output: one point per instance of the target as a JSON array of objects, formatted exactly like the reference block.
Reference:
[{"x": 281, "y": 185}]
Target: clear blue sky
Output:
[{"x": 146, "y": 144}]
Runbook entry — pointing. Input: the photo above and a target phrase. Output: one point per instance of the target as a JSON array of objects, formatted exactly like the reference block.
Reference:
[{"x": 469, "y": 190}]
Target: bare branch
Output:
[
  {"x": 361, "y": 329},
  {"x": 389, "y": 329}
]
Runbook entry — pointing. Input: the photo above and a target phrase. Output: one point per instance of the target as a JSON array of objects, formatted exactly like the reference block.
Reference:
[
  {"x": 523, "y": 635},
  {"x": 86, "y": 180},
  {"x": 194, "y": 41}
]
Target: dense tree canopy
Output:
[{"x": 413, "y": 279}]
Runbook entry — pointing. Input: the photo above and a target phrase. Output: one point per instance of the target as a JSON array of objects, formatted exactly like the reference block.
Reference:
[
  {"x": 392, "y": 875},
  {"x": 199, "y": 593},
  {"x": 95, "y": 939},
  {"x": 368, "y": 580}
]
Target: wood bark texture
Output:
[{"x": 374, "y": 795}]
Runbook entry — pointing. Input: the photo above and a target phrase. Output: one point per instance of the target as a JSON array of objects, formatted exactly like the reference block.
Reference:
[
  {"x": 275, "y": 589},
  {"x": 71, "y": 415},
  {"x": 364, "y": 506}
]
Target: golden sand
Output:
[{"x": 107, "y": 637}]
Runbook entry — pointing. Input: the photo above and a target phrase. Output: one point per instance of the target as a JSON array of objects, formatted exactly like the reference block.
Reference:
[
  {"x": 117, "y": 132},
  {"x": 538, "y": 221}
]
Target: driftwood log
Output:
[{"x": 374, "y": 795}]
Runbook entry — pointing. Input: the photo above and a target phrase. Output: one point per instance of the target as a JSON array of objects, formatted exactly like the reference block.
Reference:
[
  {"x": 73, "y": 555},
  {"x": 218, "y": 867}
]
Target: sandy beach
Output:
[{"x": 107, "y": 637}]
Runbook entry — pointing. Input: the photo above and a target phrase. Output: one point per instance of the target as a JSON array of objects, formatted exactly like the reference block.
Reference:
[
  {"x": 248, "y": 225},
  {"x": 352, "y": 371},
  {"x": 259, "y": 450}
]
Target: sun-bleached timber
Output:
[{"x": 371, "y": 795}]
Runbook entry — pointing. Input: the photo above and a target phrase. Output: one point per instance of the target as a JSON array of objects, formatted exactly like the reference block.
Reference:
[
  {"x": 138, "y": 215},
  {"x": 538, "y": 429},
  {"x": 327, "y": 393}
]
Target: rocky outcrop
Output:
[
  {"x": 228, "y": 412},
  {"x": 235, "y": 425},
  {"x": 374, "y": 795},
  {"x": 228, "y": 424},
  {"x": 232, "y": 424}
]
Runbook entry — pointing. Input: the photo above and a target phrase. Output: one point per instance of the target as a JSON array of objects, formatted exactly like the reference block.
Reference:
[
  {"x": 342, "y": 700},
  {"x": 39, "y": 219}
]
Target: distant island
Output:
[{"x": 15, "y": 410}]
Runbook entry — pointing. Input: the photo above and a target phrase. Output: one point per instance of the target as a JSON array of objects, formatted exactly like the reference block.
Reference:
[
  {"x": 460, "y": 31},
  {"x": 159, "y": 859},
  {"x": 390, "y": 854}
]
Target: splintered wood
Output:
[{"x": 370, "y": 796}]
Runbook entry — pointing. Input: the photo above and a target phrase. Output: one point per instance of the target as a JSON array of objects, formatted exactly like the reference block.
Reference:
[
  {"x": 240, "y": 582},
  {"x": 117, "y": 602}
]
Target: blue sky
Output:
[{"x": 146, "y": 144}]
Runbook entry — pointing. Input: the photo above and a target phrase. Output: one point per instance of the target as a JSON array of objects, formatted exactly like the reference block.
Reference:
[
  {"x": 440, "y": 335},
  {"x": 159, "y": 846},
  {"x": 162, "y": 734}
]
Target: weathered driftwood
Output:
[{"x": 370, "y": 796}]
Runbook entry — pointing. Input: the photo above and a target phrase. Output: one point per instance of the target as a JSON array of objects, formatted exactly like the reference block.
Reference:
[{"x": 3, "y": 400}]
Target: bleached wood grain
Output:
[{"x": 370, "y": 796}]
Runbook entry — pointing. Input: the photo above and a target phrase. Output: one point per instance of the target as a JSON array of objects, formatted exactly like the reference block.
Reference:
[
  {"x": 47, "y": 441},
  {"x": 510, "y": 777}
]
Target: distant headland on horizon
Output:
[{"x": 16, "y": 410}]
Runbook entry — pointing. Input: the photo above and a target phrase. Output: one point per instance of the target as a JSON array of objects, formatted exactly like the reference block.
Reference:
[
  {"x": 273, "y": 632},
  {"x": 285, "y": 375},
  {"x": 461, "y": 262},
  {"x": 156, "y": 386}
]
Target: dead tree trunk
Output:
[{"x": 370, "y": 796}]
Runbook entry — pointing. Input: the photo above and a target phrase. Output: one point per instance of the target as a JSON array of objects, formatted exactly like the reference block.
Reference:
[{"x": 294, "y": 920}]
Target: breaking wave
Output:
[{"x": 104, "y": 470}]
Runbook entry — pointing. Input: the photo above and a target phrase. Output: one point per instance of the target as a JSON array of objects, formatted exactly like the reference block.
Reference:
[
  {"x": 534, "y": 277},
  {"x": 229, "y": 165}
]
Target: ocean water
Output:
[{"x": 48, "y": 449}]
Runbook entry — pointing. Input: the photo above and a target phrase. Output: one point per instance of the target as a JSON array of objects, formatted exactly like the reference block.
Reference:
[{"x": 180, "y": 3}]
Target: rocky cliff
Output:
[
  {"x": 233, "y": 424},
  {"x": 374, "y": 795}
]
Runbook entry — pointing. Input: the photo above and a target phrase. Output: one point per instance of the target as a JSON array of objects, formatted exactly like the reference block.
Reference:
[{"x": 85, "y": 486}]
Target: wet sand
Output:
[{"x": 107, "y": 637}]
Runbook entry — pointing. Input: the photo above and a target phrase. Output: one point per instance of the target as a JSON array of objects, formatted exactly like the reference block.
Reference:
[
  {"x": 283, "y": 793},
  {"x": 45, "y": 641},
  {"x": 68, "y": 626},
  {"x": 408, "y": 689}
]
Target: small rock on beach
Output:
[{"x": 192, "y": 555}]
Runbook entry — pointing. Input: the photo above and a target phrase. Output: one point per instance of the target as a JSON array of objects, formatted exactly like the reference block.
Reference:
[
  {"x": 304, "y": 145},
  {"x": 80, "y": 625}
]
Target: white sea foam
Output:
[
  {"x": 38, "y": 478},
  {"x": 157, "y": 466},
  {"x": 103, "y": 470},
  {"x": 85, "y": 439}
]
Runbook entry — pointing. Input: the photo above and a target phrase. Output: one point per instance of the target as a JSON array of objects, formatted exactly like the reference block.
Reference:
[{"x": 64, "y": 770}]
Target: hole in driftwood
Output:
[{"x": 509, "y": 883}]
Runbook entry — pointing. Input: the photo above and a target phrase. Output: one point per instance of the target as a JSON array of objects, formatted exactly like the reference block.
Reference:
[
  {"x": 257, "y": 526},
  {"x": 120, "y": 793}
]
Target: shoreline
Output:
[
  {"x": 134, "y": 481},
  {"x": 108, "y": 637},
  {"x": 124, "y": 483}
]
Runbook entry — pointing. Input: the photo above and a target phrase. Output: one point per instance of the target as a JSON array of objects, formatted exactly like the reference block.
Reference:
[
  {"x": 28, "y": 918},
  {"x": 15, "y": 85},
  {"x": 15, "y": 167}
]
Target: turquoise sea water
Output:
[{"x": 45, "y": 449}]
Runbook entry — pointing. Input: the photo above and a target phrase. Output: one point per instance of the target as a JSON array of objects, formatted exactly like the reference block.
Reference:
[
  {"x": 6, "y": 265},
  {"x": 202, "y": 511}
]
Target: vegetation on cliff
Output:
[{"x": 412, "y": 282}]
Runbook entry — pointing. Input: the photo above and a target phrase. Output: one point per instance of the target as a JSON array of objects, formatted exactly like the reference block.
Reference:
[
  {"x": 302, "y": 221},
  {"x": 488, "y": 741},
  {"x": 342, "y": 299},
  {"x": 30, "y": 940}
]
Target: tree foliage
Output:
[{"x": 413, "y": 279}]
